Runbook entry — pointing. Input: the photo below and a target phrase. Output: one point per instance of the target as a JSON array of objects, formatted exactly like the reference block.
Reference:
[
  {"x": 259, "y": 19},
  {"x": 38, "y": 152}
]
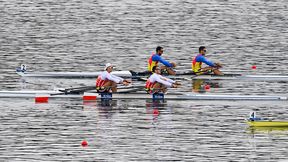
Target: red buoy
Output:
[
  {"x": 253, "y": 67},
  {"x": 155, "y": 112},
  {"x": 207, "y": 87},
  {"x": 84, "y": 143}
]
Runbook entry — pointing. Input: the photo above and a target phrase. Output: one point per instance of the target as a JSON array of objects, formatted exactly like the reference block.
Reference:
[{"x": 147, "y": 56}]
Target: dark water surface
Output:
[{"x": 83, "y": 35}]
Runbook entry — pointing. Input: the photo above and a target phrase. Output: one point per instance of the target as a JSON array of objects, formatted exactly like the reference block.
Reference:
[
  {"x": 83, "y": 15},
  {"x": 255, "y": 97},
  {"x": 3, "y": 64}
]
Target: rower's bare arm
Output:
[
  {"x": 174, "y": 85},
  {"x": 218, "y": 65},
  {"x": 126, "y": 82},
  {"x": 177, "y": 83},
  {"x": 173, "y": 64}
]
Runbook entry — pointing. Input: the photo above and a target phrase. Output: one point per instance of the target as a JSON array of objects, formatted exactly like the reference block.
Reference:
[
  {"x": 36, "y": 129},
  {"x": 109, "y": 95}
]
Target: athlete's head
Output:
[
  {"x": 202, "y": 50},
  {"x": 159, "y": 50},
  {"x": 108, "y": 67},
  {"x": 156, "y": 70}
]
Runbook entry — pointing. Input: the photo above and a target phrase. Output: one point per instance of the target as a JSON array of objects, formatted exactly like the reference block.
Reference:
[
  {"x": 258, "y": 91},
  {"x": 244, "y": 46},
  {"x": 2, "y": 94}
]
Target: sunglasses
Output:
[{"x": 205, "y": 50}]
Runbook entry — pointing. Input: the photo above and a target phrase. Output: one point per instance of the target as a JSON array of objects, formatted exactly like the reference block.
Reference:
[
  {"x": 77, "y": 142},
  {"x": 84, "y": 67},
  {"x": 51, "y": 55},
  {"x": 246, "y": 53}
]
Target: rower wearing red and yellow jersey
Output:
[
  {"x": 107, "y": 81},
  {"x": 155, "y": 58},
  {"x": 199, "y": 59},
  {"x": 157, "y": 83}
]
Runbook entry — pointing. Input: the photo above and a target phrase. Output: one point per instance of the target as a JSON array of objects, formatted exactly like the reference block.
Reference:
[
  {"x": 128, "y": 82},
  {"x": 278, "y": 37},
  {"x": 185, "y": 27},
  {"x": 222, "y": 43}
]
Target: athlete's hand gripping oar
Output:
[
  {"x": 209, "y": 70},
  {"x": 219, "y": 65},
  {"x": 126, "y": 82},
  {"x": 177, "y": 84},
  {"x": 164, "y": 89}
]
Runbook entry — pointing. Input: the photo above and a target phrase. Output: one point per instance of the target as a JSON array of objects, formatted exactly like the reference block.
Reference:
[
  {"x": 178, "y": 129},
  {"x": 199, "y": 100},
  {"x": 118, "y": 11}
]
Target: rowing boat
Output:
[
  {"x": 254, "y": 121},
  {"x": 241, "y": 77},
  {"x": 137, "y": 95},
  {"x": 193, "y": 96},
  {"x": 265, "y": 123},
  {"x": 188, "y": 74},
  {"x": 70, "y": 74}
]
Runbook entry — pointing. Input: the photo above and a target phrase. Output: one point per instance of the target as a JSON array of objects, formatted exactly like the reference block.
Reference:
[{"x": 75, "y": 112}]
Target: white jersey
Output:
[
  {"x": 107, "y": 76},
  {"x": 160, "y": 79}
]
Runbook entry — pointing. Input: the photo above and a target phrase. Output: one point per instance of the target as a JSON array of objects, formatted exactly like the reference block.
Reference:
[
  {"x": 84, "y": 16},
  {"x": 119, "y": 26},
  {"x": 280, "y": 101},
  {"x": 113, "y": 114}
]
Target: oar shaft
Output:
[{"x": 82, "y": 89}]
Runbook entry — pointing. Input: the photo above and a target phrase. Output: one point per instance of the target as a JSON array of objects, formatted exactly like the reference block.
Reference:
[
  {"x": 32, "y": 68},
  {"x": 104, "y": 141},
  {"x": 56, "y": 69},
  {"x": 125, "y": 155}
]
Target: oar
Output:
[
  {"x": 202, "y": 73},
  {"x": 134, "y": 89},
  {"x": 131, "y": 86},
  {"x": 79, "y": 90},
  {"x": 139, "y": 78}
]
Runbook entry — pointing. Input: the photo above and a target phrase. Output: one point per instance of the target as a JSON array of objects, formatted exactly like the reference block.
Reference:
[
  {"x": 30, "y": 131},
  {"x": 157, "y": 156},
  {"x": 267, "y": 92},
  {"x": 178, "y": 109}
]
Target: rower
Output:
[
  {"x": 107, "y": 81},
  {"x": 155, "y": 58},
  {"x": 157, "y": 83},
  {"x": 199, "y": 59},
  {"x": 21, "y": 69}
]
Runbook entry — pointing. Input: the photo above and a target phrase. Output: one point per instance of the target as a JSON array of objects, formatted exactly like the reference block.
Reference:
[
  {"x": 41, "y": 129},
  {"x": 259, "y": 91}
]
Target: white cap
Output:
[{"x": 108, "y": 65}]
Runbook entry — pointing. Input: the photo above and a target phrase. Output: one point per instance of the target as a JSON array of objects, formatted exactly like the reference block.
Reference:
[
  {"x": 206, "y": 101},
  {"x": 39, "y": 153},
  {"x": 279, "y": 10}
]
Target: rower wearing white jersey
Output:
[
  {"x": 157, "y": 83},
  {"x": 107, "y": 81}
]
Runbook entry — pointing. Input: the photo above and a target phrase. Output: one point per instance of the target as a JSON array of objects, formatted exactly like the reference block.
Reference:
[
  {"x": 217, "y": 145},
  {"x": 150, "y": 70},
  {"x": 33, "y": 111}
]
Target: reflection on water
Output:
[
  {"x": 154, "y": 107},
  {"x": 105, "y": 108},
  {"x": 263, "y": 140},
  {"x": 268, "y": 130},
  {"x": 137, "y": 128},
  {"x": 203, "y": 85}
]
